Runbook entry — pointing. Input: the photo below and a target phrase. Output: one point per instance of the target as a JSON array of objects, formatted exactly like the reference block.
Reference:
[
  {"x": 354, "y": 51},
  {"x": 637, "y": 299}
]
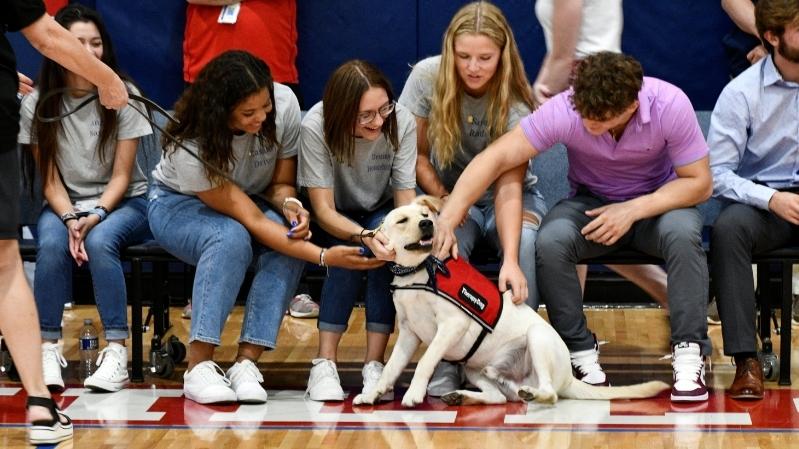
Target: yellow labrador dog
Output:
[{"x": 521, "y": 359}]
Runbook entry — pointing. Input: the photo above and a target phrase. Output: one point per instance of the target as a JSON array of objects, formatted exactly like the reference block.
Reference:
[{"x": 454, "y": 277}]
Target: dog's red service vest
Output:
[{"x": 461, "y": 284}]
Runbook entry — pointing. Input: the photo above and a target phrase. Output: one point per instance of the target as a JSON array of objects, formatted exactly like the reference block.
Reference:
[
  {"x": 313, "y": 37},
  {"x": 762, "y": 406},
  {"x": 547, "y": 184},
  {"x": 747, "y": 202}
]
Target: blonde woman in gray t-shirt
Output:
[
  {"x": 224, "y": 200},
  {"x": 463, "y": 100},
  {"x": 357, "y": 161}
]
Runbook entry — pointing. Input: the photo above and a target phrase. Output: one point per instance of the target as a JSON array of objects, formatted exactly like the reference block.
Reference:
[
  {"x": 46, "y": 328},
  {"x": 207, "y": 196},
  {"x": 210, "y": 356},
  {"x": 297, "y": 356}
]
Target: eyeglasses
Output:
[{"x": 366, "y": 117}]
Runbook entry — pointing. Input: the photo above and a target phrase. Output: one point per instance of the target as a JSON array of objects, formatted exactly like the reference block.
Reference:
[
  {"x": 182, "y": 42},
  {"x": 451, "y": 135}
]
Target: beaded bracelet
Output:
[{"x": 66, "y": 216}]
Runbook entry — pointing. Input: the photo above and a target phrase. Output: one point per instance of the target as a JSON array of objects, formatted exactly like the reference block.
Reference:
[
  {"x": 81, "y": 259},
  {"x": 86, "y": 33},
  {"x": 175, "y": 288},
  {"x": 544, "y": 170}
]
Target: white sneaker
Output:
[
  {"x": 689, "y": 373},
  {"x": 324, "y": 383},
  {"x": 447, "y": 377},
  {"x": 112, "y": 371},
  {"x": 52, "y": 362},
  {"x": 206, "y": 384},
  {"x": 371, "y": 373},
  {"x": 586, "y": 367},
  {"x": 245, "y": 379}
]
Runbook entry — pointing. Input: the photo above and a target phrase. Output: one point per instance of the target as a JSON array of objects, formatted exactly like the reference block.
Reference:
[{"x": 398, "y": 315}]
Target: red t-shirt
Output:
[
  {"x": 54, "y": 5},
  {"x": 265, "y": 28}
]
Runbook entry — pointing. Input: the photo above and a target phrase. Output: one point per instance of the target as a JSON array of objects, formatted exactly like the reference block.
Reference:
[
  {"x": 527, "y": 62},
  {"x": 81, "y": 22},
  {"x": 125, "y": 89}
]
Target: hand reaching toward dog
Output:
[
  {"x": 380, "y": 246},
  {"x": 350, "y": 257},
  {"x": 444, "y": 241},
  {"x": 510, "y": 275}
]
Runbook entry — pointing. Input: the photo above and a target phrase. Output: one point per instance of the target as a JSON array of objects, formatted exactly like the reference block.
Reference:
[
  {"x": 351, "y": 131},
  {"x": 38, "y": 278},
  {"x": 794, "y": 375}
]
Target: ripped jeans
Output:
[{"x": 481, "y": 225}]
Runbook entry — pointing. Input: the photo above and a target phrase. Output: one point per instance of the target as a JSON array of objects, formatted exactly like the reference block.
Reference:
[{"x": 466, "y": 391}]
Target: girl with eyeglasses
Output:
[
  {"x": 357, "y": 162},
  {"x": 95, "y": 201},
  {"x": 224, "y": 201},
  {"x": 464, "y": 99}
]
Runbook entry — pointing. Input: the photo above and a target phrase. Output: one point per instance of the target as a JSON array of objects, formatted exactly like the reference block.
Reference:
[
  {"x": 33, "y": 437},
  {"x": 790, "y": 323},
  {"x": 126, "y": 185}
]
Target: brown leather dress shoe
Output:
[{"x": 748, "y": 383}]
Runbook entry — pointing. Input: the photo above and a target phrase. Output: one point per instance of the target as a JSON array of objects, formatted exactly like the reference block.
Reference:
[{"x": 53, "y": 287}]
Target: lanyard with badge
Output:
[{"x": 229, "y": 13}]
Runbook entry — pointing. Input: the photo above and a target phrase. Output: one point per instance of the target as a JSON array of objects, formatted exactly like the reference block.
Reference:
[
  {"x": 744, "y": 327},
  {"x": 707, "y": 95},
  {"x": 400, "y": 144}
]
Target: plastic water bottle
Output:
[{"x": 88, "y": 343}]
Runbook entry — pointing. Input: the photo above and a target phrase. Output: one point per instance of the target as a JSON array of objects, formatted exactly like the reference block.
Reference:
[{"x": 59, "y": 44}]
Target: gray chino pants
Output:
[
  {"x": 675, "y": 236},
  {"x": 739, "y": 232}
]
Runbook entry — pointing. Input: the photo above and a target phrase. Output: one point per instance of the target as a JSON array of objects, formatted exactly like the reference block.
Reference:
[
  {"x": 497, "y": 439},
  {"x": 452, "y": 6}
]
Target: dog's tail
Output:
[{"x": 582, "y": 390}]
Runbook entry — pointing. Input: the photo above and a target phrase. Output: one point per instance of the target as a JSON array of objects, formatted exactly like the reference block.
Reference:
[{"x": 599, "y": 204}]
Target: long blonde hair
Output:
[{"x": 508, "y": 85}]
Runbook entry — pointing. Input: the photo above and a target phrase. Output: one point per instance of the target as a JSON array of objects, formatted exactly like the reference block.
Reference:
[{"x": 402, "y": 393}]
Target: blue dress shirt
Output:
[{"x": 754, "y": 136}]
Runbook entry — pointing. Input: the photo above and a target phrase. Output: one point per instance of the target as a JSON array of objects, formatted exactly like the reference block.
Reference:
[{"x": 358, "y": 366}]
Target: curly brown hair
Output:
[
  {"x": 774, "y": 16},
  {"x": 203, "y": 110},
  {"x": 606, "y": 85}
]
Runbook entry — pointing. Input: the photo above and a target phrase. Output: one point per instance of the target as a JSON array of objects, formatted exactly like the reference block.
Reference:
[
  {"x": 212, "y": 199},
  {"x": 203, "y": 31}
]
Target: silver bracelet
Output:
[
  {"x": 291, "y": 199},
  {"x": 322, "y": 258}
]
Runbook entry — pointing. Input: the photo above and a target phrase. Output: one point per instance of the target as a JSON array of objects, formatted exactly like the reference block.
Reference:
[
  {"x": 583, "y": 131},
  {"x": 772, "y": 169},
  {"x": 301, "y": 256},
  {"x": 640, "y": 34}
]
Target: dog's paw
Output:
[
  {"x": 452, "y": 398},
  {"x": 367, "y": 398},
  {"x": 527, "y": 394},
  {"x": 540, "y": 395},
  {"x": 413, "y": 397}
]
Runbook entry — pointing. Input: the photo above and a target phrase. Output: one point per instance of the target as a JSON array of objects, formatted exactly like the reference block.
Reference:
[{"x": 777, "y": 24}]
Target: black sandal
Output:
[{"x": 48, "y": 431}]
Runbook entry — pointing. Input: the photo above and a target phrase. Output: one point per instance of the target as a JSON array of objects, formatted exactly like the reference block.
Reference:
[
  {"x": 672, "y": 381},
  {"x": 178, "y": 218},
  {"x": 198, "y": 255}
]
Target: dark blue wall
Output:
[{"x": 677, "y": 40}]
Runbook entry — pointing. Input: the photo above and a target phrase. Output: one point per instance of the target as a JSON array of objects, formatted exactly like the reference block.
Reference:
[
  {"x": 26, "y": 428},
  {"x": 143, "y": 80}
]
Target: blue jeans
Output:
[
  {"x": 342, "y": 287},
  {"x": 481, "y": 225},
  {"x": 222, "y": 249},
  {"x": 52, "y": 284}
]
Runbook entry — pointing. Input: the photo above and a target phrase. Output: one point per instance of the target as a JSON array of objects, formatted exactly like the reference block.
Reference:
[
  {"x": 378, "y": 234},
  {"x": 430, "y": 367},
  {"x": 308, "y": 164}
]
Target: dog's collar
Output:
[{"x": 431, "y": 264}]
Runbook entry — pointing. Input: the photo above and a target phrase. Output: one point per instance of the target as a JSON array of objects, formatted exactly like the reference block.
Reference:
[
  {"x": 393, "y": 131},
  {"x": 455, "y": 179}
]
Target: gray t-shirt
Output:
[
  {"x": 377, "y": 171},
  {"x": 84, "y": 176},
  {"x": 254, "y": 163},
  {"x": 417, "y": 96}
]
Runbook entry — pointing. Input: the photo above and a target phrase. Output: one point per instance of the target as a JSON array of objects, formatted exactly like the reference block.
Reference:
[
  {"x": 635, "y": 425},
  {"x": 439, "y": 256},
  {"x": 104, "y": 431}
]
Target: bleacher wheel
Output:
[{"x": 771, "y": 366}]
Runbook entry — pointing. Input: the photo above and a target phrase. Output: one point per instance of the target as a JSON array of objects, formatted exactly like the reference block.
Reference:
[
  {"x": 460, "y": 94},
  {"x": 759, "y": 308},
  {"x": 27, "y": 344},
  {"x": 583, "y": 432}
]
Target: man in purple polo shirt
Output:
[{"x": 638, "y": 165}]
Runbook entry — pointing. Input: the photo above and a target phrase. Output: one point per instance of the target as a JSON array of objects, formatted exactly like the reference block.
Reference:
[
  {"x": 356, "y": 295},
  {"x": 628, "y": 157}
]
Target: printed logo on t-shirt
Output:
[
  {"x": 94, "y": 128},
  {"x": 379, "y": 162},
  {"x": 478, "y": 127},
  {"x": 258, "y": 156}
]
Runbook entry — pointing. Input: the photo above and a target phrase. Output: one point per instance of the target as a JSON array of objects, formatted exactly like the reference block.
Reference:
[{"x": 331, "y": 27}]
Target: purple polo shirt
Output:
[{"x": 663, "y": 134}]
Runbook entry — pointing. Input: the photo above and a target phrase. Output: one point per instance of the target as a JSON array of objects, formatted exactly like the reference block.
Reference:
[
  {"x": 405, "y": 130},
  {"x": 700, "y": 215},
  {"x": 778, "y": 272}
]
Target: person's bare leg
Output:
[
  {"x": 328, "y": 345},
  {"x": 376, "y": 343},
  {"x": 650, "y": 278},
  {"x": 199, "y": 351},
  {"x": 249, "y": 351},
  {"x": 19, "y": 323}
]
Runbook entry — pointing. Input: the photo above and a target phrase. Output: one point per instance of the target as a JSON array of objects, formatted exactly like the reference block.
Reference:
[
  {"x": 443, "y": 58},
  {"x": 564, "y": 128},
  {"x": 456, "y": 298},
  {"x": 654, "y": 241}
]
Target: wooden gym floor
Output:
[{"x": 154, "y": 415}]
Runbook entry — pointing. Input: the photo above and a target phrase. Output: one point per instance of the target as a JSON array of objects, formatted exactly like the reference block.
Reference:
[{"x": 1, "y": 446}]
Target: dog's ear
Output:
[{"x": 431, "y": 202}]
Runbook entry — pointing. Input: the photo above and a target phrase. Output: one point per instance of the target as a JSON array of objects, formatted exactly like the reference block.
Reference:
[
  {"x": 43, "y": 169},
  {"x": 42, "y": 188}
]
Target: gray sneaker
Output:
[
  {"x": 713, "y": 313},
  {"x": 186, "y": 313},
  {"x": 302, "y": 306},
  {"x": 446, "y": 378}
]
